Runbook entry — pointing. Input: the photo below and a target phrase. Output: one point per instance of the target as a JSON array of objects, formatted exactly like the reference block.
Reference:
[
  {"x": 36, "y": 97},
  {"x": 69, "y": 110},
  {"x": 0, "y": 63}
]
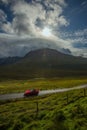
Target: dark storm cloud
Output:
[
  {"x": 20, "y": 24},
  {"x": 40, "y": 23}
]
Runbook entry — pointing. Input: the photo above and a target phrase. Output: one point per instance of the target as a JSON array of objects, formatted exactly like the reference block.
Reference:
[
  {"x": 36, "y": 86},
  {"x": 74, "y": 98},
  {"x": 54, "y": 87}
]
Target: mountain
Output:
[
  {"x": 45, "y": 63},
  {"x": 9, "y": 60}
]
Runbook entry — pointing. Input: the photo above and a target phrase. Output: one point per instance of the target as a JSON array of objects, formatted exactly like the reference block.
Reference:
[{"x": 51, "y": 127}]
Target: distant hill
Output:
[
  {"x": 45, "y": 63},
  {"x": 9, "y": 60}
]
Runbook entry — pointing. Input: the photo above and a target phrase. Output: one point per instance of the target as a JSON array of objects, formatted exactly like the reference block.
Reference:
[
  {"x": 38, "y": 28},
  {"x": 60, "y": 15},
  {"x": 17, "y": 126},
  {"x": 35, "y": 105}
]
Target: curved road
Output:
[{"x": 43, "y": 92}]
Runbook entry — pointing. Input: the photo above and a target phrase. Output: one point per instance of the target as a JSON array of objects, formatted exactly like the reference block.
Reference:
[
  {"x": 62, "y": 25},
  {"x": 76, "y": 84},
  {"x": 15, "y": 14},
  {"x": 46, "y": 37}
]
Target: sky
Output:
[{"x": 27, "y": 25}]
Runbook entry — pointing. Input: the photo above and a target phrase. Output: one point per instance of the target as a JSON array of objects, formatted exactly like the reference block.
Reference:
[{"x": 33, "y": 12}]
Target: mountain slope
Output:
[
  {"x": 46, "y": 63},
  {"x": 9, "y": 60}
]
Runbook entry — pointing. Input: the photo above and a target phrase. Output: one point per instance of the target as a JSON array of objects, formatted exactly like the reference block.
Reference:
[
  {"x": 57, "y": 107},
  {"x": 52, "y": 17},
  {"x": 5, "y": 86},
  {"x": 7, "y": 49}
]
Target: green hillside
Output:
[{"x": 45, "y": 63}]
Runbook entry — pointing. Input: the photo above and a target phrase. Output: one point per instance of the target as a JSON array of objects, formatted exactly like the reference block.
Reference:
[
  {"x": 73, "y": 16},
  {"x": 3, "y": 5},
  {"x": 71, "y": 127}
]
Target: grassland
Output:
[
  {"x": 54, "y": 111},
  {"x": 10, "y": 86}
]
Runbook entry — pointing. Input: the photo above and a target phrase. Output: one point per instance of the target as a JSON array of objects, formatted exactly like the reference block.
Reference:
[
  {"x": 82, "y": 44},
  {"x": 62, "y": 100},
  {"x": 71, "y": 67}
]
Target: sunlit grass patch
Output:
[{"x": 10, "y": 86}]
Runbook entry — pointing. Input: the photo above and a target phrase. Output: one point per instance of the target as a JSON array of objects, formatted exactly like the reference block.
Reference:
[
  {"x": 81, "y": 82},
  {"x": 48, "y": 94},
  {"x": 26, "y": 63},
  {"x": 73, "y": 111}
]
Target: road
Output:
[{"x": 43, "y": 92}]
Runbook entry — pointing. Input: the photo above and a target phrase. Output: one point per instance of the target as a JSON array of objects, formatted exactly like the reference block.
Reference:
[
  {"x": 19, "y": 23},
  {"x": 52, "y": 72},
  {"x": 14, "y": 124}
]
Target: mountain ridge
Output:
[
  {"x": 45, "y": 63},
  {"x": 9, "y": 60}
]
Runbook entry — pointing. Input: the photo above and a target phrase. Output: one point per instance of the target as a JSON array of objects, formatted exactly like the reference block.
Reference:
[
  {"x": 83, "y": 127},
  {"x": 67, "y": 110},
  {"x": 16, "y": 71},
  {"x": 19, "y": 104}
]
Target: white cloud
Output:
[
  {"x": 5, "y": 1},
  {"x": 81, "y": 32},
  {"x": 78, "y": 36},
  {"x": 7, "y": 27},
  {"x": 28, "y": 22},
  {"x": 62, "y": 21},
  {"x": 26, "y": 15},
  {"x": 3, "y": 16},
  {"x": 59, "y": 2},
  {"x": 78, "y": 42},
  {"x": 13, "y": 45}
]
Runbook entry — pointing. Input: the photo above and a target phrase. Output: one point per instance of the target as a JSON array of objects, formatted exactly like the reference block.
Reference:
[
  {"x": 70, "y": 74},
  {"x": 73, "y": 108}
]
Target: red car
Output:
[{"x": 33, "y": 92}]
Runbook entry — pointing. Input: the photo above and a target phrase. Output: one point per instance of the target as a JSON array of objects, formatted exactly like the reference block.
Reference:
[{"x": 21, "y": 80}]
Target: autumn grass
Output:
[
  {"x": 55, "y": 111},
  {"x": 11, "y": 86}
]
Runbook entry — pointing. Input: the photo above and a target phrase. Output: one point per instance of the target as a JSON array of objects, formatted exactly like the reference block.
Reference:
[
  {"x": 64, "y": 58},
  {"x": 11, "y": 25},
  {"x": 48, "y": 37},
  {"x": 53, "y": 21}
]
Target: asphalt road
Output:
[{"x": 43, "y": 92}]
